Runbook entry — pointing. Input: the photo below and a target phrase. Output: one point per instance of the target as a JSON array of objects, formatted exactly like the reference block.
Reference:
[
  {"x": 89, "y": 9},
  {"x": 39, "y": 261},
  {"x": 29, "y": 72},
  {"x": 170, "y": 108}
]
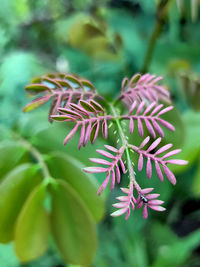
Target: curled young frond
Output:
[
  {"x": 90, "y": 116},
  {"x": 141, "y": 87},
  {"x": 150, "y": 115},
  {"x": 160, "y": 162},
  {"x": 62, "y": 89},
  {"x": 112, "y": 169}
]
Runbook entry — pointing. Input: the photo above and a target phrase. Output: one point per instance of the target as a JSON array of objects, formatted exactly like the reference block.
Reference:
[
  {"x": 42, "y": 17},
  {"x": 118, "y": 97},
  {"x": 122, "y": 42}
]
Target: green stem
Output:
[
  {"x": 36, "y": 154},
  {"x": 125, "y": 144},
  {"x": 160, "y": 22}
]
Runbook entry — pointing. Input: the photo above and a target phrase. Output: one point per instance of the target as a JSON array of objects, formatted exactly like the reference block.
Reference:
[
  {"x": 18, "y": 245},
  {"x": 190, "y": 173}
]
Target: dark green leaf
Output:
[
  {"x": 32, "y": 227},
  {"x": 72, "y": 226},
  {"x": 70, "y": 170},
  {"x": 10, "y": 155},
  {"x": 14, "y": 190}
]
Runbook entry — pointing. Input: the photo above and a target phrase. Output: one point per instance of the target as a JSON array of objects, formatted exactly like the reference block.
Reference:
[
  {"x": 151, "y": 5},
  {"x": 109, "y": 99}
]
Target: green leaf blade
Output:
[
  {"x": 32, "y": 227},
  {"x": 72, "y": 226}
]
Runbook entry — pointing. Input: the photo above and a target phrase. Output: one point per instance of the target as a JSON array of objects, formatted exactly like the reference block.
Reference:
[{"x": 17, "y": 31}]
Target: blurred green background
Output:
[{"x": 104, "y": 41}]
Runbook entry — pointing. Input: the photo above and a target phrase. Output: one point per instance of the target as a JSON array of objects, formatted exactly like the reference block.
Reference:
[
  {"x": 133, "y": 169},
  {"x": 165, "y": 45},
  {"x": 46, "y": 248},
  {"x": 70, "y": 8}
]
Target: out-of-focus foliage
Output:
[
  {"x": 46, "y": 194},
  {"x": 102, "y": 41}
]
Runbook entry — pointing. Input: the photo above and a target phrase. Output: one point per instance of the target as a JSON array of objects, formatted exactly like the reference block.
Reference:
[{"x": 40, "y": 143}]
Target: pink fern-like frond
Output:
[
  {"x": 150, "y": 115},
  {"x": 160, "y": 162},
  {"x": 125, "y": 204},
  {"x": 90, "y": 116},
  {"x": 112, "y": 164},
  {"x": 141, "y": 87},
  {"x": 62, "y": 89}
]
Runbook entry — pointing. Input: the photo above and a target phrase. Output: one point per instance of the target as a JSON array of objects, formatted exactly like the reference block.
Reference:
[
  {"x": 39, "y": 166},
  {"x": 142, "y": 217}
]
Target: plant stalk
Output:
[
  {"x": 162, "y": 10},
  {"x": 127, "y": 154}
]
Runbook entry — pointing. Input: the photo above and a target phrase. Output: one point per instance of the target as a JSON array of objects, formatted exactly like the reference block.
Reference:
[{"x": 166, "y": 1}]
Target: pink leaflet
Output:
[
  {"x": 117, "y": 173},
  {"x": 112, "y": 179},
  {"x": 111, "y": 148},
  {"x": 140, "y": 162},
  {"x": 145, "y": 141},
  {"x": 166, "y": 124},
  {"x": 145, "y": 212},
  {"x": 156, "y": 109},
  {"x": 177, "y": 161},
  {"x": 128, "y": 214},
  {"x": 71, "y": 134},
  {"x": 158, "y": 171},
  {"x": 131, "y": 125},
  {"x": 87, "y": 133},
  {"x": 155, "y": 202},
  {"x": 132, "y": 107},
  {"x": 157, "y": 208},
  {"x": 122, "y": 166},
  {"x": 119, "y": 212},
  {"x": 149, "y": 108},
  {"x": 105, "y": 129},
  {"x": 146, "y": 190},
  {"x": 105, "y": 153},
  {"x": 171, "y": 153},
  {"x": 149, "y": 168},
  {"x": 80, "y": 109},
  {"x": 165, "y": 110},
  {"x": 157, "y": 128},
  {"x": 104, "y": 184},
  {"x": 96, "y": 132},
  {"x": 150, "y": 128},
  {"x": 94, "y": 169},
  {"x": 171, "y": 177},
  {"x": 154, "y": 144},
  {"x": 100, "y": 161},
  {"x": 140, "y": 107},
  {"x": 81, "y": 140},
  {"x": 152, "y": 196},
  {"x": 140, "y": 127},
  {"x": 163, "y": 149},
  {"x": 120, "y": 205}
]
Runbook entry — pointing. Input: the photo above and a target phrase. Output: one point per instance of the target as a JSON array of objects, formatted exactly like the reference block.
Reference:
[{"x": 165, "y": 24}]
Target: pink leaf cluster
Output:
[
  {"x": 75, "y": 100},
  {"x": 159, "y": 161},
  {"x": 90, "y": 116},
  {"x": 112, "y": 164},
  {"x": 144, "y": 199},
  {"x": 126, "y": 204},
  {"x": 141, "y": 87},
  {"x": 63, "y": 89},
  {"x": 150, "y": 115}
]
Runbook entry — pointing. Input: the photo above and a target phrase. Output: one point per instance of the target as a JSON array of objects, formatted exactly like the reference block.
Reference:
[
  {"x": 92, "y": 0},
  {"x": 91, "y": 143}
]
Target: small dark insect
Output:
[{"x": 144, "y": 199}]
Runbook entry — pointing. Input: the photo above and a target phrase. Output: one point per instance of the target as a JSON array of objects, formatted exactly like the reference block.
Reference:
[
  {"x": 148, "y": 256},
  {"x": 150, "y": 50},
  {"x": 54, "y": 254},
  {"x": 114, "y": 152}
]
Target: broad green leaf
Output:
[
  {"x": 70, "y": 170},
  {"x": 72, "y": 226},
  {"x": 10, "y": 155},
  {"x": 32, "y": 227},
  {"x": 191, "y": 147},
  {"x": 177, "y": 253},
  {"x": 51, "y": 139},
  {"x": 14, "y": 190},
  {"x": 177, "y": 137},
  {"x": 196, "y": 181}
]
